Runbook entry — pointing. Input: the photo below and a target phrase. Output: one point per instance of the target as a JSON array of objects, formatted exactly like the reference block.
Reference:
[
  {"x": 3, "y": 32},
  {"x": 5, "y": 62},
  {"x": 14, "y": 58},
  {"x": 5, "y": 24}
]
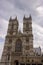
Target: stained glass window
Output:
[{"x": 18, "y": 46}]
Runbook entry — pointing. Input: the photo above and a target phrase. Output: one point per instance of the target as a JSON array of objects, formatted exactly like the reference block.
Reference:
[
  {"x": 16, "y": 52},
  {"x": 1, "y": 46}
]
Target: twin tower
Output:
[
  {"x": 13, "y": 25},
  {"x": 18, "y": 44}
]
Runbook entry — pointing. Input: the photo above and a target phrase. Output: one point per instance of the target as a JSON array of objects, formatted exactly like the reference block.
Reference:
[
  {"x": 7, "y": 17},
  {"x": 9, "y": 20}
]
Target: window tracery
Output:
[{"x": 18, "y": 46}]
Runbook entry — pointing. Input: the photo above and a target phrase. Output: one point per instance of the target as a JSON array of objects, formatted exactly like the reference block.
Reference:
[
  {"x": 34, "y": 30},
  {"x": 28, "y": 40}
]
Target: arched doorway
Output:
[{"x": 16, "y": 62}]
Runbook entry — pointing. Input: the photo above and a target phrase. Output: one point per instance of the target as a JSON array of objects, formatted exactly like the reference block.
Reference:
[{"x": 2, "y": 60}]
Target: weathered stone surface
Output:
[{"x": 18, "y": 48}]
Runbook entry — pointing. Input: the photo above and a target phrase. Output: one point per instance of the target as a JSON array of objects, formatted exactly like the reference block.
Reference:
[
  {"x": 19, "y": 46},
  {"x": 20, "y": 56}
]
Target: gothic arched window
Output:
[
  {"x": 18, "y": 46},
  {"x": 27, "y": 26},
  {"x": 8, "y": 56}
]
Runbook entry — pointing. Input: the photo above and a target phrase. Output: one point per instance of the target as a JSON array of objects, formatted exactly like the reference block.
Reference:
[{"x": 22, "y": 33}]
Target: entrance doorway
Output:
[
  {"x": 22, "y": 64},
  {"x": 27, "y": 64},
  {"x": 16, "y": 62}
]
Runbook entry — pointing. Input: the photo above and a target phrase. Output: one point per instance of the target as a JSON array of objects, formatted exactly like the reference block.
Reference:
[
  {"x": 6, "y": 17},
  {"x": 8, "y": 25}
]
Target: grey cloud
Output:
[
  {"x": 22, "y": 6},
  {"x": 14, "y": 6},
  {"x": 38, "y": 35}
]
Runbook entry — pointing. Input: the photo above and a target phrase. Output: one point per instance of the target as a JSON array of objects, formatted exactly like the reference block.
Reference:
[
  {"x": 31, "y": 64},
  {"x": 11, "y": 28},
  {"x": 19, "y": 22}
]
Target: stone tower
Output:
[
  {"x": 18, "y": 47},
  {"x": 12, "y": 30},
  {"x": 13, "y": 26},
  {"x": 27, "y": 30}
]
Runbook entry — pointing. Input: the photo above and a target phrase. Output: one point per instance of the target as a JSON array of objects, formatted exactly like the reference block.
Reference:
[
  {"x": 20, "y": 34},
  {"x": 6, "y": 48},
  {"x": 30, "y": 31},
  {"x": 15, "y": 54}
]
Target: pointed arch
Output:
[{"x": 18, "y": 45}]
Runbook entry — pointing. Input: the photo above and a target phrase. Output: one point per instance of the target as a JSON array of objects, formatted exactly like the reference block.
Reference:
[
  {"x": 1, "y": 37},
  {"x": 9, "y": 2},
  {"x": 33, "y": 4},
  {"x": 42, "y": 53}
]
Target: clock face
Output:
[{"x": 18, "y": 46}]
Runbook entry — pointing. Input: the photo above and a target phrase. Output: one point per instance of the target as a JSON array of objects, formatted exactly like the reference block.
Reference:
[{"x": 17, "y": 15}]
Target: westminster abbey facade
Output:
[{"x": 18, "y": 47}]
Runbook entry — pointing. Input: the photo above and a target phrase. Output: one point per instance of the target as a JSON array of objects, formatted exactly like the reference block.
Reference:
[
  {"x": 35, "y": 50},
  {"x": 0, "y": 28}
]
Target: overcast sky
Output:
[{"x": 19, "y": 8}]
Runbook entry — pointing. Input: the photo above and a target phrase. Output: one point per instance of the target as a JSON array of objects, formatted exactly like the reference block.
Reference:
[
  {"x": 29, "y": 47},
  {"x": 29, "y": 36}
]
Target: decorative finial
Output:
[
  {"x": 24, "y": 17},
  {"x": 30, "y": 17},
  {"x": 10, "y": 18},
  {"x": 16, "y": 17}
]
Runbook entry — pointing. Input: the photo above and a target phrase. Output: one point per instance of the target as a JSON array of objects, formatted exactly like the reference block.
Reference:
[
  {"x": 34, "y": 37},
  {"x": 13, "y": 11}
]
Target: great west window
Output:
[{"x": 18, "y": 46}]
